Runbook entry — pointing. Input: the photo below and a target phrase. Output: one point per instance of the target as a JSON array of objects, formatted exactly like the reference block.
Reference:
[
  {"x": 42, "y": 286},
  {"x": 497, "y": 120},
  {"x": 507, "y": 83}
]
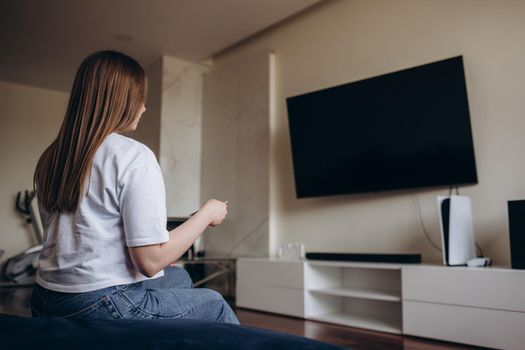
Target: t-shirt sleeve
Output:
[{"x": 143, "y": 205}]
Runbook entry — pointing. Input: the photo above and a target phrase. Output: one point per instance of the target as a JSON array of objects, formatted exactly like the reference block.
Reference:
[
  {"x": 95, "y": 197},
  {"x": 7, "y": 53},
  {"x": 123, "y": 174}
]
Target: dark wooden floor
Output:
[{"x": 355, "y": 338}]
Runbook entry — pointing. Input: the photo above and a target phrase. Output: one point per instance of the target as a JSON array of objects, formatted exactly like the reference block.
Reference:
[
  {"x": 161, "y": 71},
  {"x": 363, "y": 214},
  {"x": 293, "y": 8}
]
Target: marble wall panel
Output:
[{"x": 180, "y": 134}]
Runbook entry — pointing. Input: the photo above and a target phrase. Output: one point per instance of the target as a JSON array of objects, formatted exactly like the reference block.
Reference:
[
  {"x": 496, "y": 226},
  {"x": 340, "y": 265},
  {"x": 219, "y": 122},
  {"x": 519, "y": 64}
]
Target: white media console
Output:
[{"x": 478, "y": 306}]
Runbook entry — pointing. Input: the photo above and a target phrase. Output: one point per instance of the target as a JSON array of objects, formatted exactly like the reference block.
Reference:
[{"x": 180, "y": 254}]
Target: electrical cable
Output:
[
  {"x": 246, "y": 237},
  {"x": 420, "y": 217},
  {"x": 480, "y": 250}
]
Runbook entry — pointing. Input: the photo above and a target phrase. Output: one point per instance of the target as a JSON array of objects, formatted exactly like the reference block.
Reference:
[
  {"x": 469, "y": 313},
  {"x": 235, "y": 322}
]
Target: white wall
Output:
[
  {"x": 347, "y": 40},
  {"x": 235, "y": 154},
  {"x": 30, "y": 119}
]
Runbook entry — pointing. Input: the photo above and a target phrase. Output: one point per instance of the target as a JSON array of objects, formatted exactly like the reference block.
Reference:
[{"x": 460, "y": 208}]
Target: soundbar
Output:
[{"x": 360, "y": 257}]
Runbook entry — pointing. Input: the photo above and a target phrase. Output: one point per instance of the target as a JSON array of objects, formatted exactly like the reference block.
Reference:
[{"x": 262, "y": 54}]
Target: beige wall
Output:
[
  {"x": 346, "y": 40},
  {"x": 30, "y": 119}
]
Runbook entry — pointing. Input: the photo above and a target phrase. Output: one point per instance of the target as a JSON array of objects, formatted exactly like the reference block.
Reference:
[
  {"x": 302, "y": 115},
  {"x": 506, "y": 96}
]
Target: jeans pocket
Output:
[
  {"x": 150, "y": 304},
  {"x": 102, "y": 309}
]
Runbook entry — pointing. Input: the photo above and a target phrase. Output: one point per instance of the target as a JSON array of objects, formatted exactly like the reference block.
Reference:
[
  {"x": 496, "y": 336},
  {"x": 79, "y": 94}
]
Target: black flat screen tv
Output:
[{"x": 402, "y": 130}]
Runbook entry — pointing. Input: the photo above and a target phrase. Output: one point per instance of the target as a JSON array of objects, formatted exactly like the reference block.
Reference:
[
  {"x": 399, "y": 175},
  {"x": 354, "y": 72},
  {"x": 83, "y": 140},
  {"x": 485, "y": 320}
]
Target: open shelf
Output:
[
  {"x": 357, "y": 292},
  {"x": 360, "y": 322}
]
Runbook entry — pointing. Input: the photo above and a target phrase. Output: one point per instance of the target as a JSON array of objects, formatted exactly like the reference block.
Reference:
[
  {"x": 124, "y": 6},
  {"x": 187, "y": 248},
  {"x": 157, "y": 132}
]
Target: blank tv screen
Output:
[{"x": 402, "y": 130}]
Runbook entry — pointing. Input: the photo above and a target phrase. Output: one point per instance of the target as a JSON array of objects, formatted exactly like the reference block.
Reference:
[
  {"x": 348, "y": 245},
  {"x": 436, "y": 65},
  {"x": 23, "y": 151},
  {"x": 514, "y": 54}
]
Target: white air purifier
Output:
[{"x": 457, "y": 230}]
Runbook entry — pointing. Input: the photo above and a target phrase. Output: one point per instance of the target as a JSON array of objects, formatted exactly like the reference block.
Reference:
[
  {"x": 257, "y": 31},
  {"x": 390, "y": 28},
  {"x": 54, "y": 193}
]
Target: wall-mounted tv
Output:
[{"x": 402, "y": 130}]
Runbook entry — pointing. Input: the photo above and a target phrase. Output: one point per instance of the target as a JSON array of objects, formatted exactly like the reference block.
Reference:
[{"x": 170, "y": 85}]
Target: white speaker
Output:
[{"x": 457, "y": 229}]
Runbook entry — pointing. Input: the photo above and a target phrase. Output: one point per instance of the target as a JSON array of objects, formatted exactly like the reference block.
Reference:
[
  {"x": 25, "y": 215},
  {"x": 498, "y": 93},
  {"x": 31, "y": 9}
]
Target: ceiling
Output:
[{"x": 43, "y": 42}]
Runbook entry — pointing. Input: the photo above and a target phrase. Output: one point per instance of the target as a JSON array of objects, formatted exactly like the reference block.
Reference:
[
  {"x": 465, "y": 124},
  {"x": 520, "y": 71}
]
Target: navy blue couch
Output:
[{"x": 62, "y": 333}]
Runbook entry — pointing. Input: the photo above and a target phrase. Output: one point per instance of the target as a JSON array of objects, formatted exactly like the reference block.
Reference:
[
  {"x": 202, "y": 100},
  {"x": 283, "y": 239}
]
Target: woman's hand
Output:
[{"x": 216, "y": 211}]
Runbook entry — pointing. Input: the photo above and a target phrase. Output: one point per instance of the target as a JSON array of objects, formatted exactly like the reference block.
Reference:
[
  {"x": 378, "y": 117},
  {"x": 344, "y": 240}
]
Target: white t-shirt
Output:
[{"x": 124, "y": 205}]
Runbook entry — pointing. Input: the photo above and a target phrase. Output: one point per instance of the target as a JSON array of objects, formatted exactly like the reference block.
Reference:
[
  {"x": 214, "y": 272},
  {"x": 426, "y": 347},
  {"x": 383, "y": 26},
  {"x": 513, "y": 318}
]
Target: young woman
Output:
[{"x": 102, "y": 203}]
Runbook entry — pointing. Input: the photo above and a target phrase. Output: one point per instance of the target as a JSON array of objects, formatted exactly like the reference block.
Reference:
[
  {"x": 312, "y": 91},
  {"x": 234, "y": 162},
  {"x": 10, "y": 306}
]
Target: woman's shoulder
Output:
[
  {"x": 127, "y": 150},
  {"x": 120, "y": 142}
]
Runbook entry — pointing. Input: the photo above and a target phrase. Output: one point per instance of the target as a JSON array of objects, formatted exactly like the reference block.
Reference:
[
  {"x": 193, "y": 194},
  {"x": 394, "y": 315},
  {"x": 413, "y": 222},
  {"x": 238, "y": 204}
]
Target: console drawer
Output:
[
  {"x": 490, "y": 288},
  {"x": 477, "y": 326},
  {"x": 276, "y": 273},
  {"x": 271, "y": 299}
]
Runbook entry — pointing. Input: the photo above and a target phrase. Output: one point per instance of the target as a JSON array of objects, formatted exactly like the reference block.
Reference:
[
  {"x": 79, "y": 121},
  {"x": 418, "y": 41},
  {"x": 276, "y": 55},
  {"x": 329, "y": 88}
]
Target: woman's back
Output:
[{"x": 123, "y": 203}]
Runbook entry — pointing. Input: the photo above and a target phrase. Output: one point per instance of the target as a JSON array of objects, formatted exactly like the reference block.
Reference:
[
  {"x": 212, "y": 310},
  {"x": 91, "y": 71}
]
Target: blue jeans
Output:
[{"x": 171, "y": 296}]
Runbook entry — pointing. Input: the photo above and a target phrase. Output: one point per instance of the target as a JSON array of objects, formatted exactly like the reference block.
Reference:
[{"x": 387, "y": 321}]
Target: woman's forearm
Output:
[
  {"x": 182, "y": 237},
  {"x": 151, "y": 259}
]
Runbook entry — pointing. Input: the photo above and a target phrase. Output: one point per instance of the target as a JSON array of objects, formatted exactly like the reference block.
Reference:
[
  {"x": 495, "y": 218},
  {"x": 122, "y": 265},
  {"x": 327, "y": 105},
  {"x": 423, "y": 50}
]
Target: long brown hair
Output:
[{"x": 107, "y": 95}]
